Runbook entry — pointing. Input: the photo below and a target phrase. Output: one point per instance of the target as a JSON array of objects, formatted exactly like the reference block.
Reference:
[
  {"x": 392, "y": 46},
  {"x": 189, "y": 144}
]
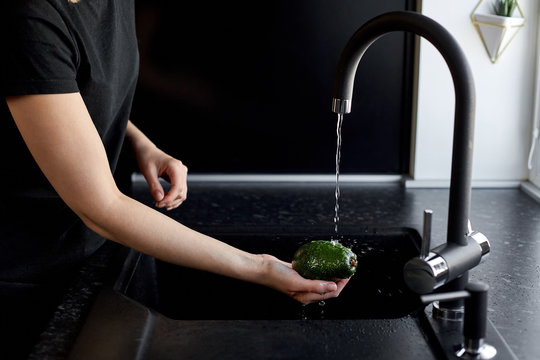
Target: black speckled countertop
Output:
[{"x": 508, "y": 217}]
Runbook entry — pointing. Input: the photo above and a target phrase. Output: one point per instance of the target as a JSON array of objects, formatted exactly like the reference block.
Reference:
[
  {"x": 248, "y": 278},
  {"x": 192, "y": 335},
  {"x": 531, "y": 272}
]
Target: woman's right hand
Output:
[{"x": 280, "y": 276}]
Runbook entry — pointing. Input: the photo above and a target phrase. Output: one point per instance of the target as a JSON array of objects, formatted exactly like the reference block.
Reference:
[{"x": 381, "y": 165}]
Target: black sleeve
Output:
[{"x": 40, "y": 54}]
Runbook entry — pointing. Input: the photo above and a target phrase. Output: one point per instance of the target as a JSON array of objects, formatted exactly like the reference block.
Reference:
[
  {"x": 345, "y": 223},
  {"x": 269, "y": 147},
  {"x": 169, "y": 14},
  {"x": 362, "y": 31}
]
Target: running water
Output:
[{"x": 338, "y": 160}]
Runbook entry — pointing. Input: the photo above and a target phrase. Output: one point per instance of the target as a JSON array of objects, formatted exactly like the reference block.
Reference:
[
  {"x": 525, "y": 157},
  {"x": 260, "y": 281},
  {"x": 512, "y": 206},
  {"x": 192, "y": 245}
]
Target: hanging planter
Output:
[{"x": 498, "y": 30}]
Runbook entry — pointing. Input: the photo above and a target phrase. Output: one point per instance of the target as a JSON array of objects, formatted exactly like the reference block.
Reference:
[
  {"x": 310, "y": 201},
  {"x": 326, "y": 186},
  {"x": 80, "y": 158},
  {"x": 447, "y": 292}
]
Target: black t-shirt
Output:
[{"x": 54, "y": 46}]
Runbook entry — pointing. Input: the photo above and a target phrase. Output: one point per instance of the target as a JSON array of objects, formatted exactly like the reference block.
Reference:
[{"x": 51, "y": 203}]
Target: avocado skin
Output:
[{"x": 324, "y": 260}]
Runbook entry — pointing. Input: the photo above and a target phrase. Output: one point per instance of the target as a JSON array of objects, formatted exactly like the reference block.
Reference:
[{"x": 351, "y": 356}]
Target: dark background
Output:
[{"x": 246, "y": 86}]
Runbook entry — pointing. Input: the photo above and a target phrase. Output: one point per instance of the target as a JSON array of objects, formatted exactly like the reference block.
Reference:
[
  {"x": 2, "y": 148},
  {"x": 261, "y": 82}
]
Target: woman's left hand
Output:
[{"x": 154, "y": 164}]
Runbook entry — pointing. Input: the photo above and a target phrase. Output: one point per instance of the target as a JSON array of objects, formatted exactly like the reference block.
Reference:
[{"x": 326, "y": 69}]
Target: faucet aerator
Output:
[{"x": 340, "y": 106}]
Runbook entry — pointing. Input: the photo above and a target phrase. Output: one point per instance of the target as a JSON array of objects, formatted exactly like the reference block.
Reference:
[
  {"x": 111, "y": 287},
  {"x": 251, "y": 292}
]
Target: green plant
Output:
[{"x": 504, "y": 7}]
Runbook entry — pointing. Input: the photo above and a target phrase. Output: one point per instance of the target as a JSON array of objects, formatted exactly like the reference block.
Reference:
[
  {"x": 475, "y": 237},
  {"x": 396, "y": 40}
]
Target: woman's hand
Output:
[
  {"x": 280, "y": 276},
  {"x": 153, "y": 164}
]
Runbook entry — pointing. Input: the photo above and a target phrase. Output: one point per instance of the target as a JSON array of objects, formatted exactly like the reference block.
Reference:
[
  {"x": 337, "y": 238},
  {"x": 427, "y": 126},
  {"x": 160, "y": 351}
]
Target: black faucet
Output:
[{"x": 449, "y": 263}]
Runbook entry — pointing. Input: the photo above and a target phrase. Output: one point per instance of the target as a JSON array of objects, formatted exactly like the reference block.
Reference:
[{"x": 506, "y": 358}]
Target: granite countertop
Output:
[{"x": 508, "y": 217}]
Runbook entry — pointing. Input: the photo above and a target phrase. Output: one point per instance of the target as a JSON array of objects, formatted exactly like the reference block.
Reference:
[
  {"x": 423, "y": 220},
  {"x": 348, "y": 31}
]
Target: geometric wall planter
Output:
[{"x": 496, "y": 31}]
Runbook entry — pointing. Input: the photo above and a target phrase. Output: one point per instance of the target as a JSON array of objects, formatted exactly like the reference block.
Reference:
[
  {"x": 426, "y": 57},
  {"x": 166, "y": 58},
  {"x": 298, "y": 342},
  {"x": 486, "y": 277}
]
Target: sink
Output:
[
  {"x": 376, "y": 291},
  {"x": 155, "y": 310}
]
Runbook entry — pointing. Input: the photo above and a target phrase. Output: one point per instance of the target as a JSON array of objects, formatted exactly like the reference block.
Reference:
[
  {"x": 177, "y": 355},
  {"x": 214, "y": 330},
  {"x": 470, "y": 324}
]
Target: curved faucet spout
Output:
[{"x": 460, "y": 183}]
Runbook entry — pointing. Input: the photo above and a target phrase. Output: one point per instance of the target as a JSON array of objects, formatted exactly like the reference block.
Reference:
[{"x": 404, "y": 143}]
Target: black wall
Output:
[{"x": 246, "y": 86}]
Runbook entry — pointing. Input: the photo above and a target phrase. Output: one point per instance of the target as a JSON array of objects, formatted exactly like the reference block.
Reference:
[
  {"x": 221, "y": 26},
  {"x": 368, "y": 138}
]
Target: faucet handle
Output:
[{"x": 426, "y": 235}]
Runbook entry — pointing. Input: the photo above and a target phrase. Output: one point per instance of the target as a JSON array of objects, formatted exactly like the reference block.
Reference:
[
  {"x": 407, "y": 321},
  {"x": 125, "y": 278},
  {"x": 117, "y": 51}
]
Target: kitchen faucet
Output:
[{"x": 447, "y": 264}]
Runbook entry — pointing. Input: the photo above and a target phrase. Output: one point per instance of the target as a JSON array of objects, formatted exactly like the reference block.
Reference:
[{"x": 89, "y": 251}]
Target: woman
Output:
[{"x": 69, "y": 71}]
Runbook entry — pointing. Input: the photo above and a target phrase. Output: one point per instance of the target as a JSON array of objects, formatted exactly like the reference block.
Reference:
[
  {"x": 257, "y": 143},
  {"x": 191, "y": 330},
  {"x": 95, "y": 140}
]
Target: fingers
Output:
[
  {"x": 320, "y": 291},
  {"x": 311, "y": 297},
  {"x": 176, "y": 195},
  {"x": 169, "y": 205},
  {"x": 154, "y": 185},
  {"x": 322, "y": 287},
  {"x": 340, "y": 285},
  {"x": 304, "y": 290},
  {"x": 176, "y": 172}
]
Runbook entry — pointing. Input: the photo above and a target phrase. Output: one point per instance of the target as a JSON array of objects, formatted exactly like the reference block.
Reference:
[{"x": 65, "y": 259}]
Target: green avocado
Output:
[{"x": 324, "y": 260}]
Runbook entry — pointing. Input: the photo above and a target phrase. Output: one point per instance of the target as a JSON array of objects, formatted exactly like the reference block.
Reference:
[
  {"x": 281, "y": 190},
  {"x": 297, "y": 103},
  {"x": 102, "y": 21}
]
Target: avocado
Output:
[{"x": 324, "y": 260}]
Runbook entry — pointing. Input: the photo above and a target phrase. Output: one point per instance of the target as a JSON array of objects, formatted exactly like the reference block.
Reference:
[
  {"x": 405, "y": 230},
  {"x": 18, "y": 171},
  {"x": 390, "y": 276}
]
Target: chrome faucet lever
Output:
[{"x": 426, "y": 235}]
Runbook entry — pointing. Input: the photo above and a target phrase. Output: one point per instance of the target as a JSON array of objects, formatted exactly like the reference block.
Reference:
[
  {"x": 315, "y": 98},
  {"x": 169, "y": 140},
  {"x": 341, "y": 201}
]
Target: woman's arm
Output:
[{"x": 60, "y": 134}]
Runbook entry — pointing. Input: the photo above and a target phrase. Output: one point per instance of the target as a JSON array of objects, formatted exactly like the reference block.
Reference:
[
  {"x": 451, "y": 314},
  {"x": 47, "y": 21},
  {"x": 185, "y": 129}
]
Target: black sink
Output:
[
  {"x": 376, "y": 290},
  {"x": 159, "y": 311}
]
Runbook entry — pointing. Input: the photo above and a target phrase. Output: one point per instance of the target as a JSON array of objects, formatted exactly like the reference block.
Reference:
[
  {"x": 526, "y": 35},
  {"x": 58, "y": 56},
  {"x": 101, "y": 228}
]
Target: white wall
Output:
[{"x": 504, "y": 94}]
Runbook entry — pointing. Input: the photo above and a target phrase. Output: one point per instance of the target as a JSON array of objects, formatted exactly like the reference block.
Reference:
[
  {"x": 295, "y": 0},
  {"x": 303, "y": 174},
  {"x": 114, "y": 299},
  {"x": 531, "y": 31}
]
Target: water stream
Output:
[
  {"x": 338, "y": 160},
  {"x": 303, "y": 314}
]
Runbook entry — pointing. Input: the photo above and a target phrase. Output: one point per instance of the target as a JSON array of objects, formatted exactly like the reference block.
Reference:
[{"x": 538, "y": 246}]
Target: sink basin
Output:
[
  {"x": 377, "y": 290},
  {"x": 160, "y": 311}
]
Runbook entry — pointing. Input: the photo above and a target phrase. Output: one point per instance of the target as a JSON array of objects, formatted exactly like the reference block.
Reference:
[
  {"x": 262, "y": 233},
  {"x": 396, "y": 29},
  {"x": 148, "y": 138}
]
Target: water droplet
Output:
[{"x": 303, "y": 315}]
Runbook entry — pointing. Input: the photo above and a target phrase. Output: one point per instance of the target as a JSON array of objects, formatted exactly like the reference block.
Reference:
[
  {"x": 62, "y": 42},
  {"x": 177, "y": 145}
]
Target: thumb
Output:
[
  {"x": 155, "y": 188},
  {"x": 158, "y": 193}
]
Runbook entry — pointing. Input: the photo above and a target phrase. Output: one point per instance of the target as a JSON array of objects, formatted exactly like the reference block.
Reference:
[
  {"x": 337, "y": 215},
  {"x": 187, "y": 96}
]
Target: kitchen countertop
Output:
[{"x": 508, "y": 217}]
